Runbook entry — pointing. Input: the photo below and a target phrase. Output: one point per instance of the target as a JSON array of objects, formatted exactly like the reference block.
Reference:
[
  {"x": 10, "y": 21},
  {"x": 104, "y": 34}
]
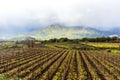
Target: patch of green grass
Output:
[
  {"x": 10, "y": 46},
  {"x": 103, "y": 45},
  {"x": 115, "y": 51},
  {"x": 64, "y": 47},
  {"x": 5, "y": 77},
  {"x": 50, "y": 45}
]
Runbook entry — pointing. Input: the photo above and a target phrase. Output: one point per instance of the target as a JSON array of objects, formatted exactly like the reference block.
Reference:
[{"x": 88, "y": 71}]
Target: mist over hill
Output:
[{"x": 58, "y": 31}]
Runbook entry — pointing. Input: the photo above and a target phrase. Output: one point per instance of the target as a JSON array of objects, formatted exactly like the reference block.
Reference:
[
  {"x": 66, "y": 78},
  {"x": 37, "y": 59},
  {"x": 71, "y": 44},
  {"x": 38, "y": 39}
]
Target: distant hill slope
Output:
[{"x": 58, "y": 31}]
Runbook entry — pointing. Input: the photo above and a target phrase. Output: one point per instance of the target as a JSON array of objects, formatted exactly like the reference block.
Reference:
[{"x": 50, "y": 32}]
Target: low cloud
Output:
[{"x": 32, "y": 14}]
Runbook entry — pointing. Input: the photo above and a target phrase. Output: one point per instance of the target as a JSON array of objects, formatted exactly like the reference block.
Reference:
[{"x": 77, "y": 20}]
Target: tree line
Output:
[{"x": 99, "y": 39}]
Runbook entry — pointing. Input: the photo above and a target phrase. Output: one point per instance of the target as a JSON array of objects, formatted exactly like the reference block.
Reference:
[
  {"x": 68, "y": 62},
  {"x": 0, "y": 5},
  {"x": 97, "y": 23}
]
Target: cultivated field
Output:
[
  {"x": 103, "y": 44},
  {"x": 59, "y": 64}
]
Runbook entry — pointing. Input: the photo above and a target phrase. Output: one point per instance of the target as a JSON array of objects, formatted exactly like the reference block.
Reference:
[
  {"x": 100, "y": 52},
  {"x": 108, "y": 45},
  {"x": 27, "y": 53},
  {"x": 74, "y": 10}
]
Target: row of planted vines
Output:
[{"x": 60, "y": 64}]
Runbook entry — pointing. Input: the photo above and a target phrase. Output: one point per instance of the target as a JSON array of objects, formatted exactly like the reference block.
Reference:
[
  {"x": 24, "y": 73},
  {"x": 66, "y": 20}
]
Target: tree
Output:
[{"x": 63, "y": 39}]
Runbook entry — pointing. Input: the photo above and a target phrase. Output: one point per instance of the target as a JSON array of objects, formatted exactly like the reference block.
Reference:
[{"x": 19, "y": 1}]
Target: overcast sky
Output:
[{"x": 17, "y": 16}]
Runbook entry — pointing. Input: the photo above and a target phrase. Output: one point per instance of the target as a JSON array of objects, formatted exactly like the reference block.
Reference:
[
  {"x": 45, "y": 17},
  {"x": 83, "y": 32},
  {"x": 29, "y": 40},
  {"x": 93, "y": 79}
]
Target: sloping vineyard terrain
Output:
[{"x": 59, "y": 64}]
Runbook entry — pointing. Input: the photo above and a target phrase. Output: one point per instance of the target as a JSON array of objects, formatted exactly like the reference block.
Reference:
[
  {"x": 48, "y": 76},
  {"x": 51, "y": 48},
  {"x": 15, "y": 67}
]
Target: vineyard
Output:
[{"x": 59, "y": 64}]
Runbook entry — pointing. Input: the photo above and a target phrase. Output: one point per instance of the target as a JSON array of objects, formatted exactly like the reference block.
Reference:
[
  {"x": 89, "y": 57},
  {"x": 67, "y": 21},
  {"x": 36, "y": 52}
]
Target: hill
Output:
[{"x": 58, "y": 31}]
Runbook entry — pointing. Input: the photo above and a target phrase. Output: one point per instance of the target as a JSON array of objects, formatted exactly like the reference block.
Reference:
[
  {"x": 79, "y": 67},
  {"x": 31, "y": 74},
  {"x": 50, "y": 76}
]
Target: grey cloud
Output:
[{"x": 24, "y": 14}]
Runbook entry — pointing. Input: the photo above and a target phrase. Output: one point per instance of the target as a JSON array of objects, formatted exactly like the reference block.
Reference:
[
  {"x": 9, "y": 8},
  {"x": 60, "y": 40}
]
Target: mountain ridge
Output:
[{"x": 59, "y": 31}]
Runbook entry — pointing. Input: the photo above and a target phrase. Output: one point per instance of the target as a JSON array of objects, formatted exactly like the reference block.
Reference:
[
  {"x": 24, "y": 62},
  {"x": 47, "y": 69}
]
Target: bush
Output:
[{"x": 108, "y": 50}]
